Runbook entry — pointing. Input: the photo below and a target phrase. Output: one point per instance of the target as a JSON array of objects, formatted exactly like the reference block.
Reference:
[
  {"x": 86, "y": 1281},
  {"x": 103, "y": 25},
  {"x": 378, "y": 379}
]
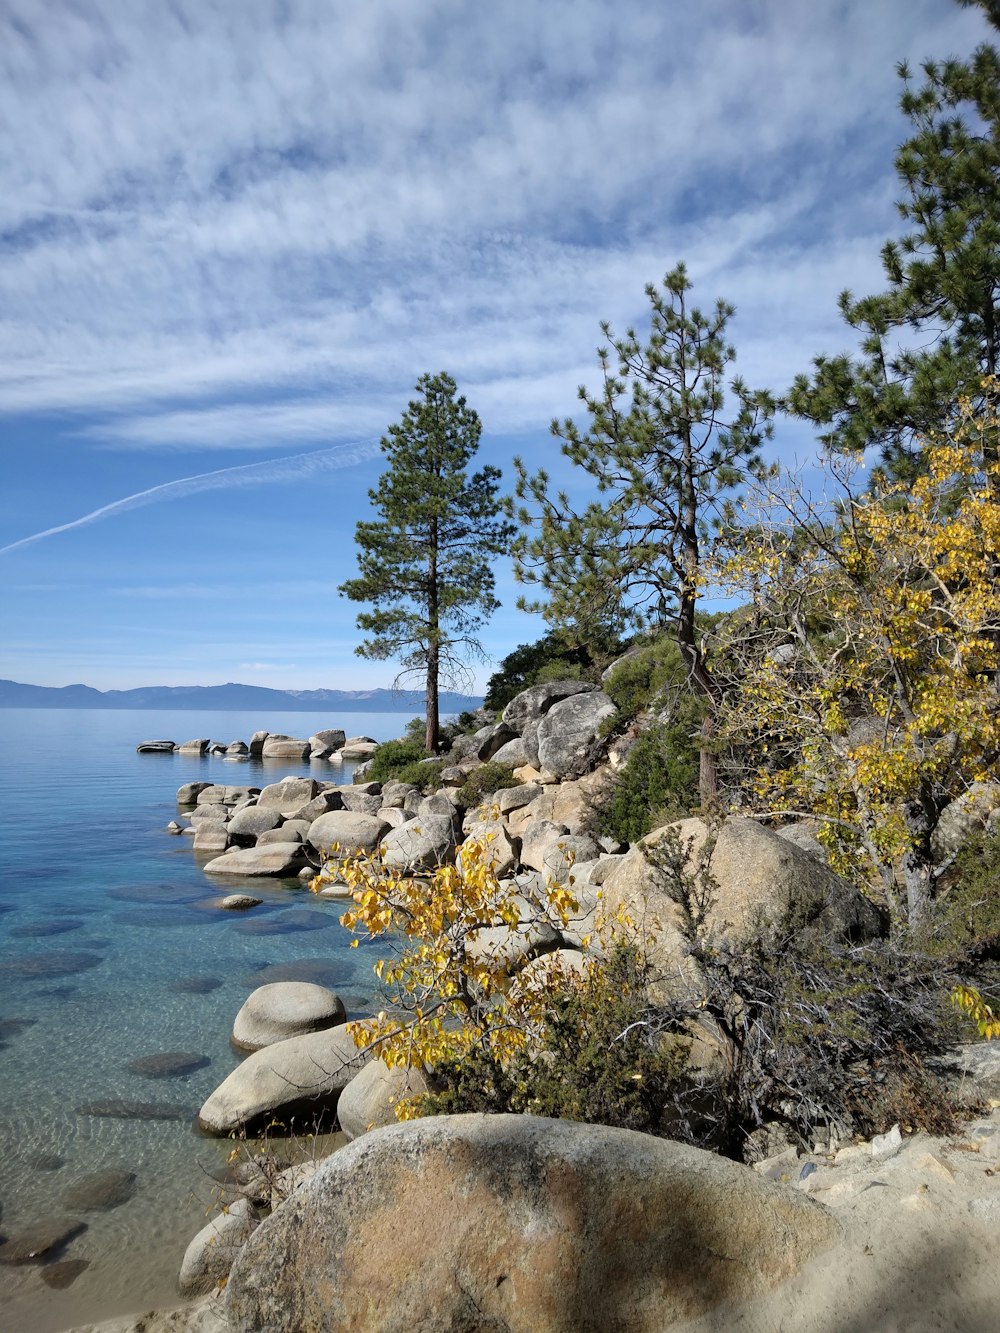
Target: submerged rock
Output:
[
  {"x": 64, "y": 1273},
  {"x": 121, "y": 1108},
  {"x": 34, "y": 1244},
  {"x": 197, "y": 985},
  {"x": 171, "y": 1064},
  {"x": 100, "y": 1191},
  {"x": 58, "y": 963}
]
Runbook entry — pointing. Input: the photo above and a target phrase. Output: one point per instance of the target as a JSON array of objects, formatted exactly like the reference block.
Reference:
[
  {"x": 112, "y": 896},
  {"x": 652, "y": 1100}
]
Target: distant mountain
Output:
[{"x": 228, "y": 698}]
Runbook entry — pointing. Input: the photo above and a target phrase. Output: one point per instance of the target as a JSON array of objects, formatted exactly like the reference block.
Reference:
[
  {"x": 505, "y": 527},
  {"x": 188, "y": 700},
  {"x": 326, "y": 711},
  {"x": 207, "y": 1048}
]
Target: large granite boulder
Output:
[
  {"x": 285, "y": 747},
  {"x": 300, "y": 1078},
  {"x": 249, "y": 823},
  {"x": 420, "y": 844},
  {"x": 348, "y": 830},
  {"x": 285, "y": 1009},
  {"x": 211, "y": 837},
  {"x": 761, "y": 882},
  {"x": 323, "y": 743},
  {"x": 538, "y": 838},
  {"x": 196, "y": 747},
  {"x": 156, "y": 747},
  {"x": 288, "y": 795},
  {"x": 516, "y": 1223},
  {"x": 533, "y": 703},
  {"x": 275, "y": 858},
  {"x": 369, "y": 1100},
  {"x": 491, "y": 739},
  {"x": 188, "y": 792},
  {"x": 568, "y": 733}
]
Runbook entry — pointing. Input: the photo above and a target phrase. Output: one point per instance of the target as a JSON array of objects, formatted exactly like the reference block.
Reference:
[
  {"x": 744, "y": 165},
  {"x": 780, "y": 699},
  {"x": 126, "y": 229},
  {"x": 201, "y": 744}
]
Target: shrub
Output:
[
  {"x": 484, "y": 781},
  {"x": 390, "y": 759},
  {"x": 423, "y": 773},
  {"x": 658, "y": 781}
]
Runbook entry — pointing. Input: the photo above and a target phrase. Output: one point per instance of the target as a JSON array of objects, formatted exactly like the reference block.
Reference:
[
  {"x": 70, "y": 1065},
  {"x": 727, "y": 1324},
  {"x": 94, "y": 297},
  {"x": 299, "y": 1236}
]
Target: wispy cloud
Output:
[{"x": 298, "y": 467}]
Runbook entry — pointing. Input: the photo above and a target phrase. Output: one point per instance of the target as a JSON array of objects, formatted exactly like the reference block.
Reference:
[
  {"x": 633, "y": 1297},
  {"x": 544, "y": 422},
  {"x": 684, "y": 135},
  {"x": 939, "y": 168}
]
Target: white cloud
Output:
[{"x": 208, "y": 203}]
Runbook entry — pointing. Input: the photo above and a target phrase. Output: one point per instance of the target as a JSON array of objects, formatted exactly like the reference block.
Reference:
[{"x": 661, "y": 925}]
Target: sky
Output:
[{"x": 234, "y": 233}]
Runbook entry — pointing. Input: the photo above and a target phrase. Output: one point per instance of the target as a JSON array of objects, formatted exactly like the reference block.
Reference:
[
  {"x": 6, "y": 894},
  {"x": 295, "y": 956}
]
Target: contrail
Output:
[{"x": 294, "y": 468}]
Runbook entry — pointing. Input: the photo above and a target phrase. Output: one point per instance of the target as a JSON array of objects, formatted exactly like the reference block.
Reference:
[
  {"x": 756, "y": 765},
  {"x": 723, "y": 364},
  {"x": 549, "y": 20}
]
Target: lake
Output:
[{"x": 110, "y": 952}]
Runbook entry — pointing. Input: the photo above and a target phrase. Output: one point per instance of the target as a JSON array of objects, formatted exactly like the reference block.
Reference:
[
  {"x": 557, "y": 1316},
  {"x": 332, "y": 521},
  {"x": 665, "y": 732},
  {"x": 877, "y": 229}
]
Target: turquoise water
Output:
[{"x": 110, "y": 950}]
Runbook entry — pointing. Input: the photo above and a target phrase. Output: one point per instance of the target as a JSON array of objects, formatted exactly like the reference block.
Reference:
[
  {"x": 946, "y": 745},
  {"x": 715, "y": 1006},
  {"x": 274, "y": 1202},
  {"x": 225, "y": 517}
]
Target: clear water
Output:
[{"x": 102, "y": 914}]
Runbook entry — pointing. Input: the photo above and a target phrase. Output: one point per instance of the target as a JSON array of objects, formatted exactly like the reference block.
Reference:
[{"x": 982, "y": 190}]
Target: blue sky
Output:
[{"x": 233, "y": 234}]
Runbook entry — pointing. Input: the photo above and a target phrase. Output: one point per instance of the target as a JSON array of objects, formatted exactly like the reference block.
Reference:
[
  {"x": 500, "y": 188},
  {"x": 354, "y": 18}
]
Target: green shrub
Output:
[
  {"x": 389, "y": 759},
  {"x": 423, "y": 773},
  {"x": 658, "y": 781},
  {"x": 483, "y": 782}
]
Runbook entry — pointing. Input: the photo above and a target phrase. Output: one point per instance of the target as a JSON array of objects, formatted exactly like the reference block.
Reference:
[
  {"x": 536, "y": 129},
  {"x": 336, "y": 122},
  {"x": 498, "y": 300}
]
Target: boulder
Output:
[
  {"x": 211, "y": 837},
  {"x": 100, "y": 1191},
  {"x": 212, "y": 793},
  {"x": 283, "y": 834},
  {"x": 239, "y": 902},
  {"x": 209, "y": 1257},
  {"x": 438, "y": 803},
  {"x": 257, "y": 744},
  {"x": 351, "y": 832},
  {"x": 502, "y": 851},
  {"x": 962, "y": 818},
  {"x": 301, "y": 1077},
  {"x": 198, "y": 747},
  {"x": 321, "y": 804},
  {"x": 533, "y": 703},
  {"x": 491, "y": 739},
  {"x": 290, "y": 794},
  {"x": 588, "y": 1228},
  {"x": 285, "y": 747},
  {"x": 285, "y": 1009},
  {"x": 568, "y": 733},
  {"x": 515, "y": 798},
  {"x": 394, "y": 816},
  {"x": 762, "y": 881},
  {"x": 237, "y": 750},
  {"x": 421, "y": 843},
  {"x": 203, "y": 814},
  {"x": 360, "y": 802},
  {"x": 513, "y": 754},
  {"x": 560, "y": 860},
  {"x": 156, "y": 747},
  {"x": 369, "y": 1099},
  {"x": 359, "y": 748},
  {"x": 327, "y": 741},
  {"x": 395, "y": 793},
  {"x": 510, "y": 948},
  {"x": 276, "y": 858},
  {"x": 538, "y": 838},
  {"x": 188, "y": 792},
  {"x": 248, "y": 824}
]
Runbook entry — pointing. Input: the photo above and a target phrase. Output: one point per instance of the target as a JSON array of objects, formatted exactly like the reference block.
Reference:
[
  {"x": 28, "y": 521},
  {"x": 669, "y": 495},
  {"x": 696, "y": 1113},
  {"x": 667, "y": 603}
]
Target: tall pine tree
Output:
[
  {"x": 425, "y": 564},
  {"x": 933, "y": 334},
  {"x": 667, "y": 438}
]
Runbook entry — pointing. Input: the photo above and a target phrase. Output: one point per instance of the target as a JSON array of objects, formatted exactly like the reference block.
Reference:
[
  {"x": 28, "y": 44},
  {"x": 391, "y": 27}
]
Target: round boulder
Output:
[
  {"x": 545, "y": 1224},
  {"x": 285, "y": 1009},
  {"x": 351, "y": 831},
  {"x": 369, "y": 1100}
]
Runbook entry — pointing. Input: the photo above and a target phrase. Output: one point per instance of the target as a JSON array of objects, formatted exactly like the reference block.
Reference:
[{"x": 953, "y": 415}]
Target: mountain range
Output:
[{"x": 227, "y": 698}]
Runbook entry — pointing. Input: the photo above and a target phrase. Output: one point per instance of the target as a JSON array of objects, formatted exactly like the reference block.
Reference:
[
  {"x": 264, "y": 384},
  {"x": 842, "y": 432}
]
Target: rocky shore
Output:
[{"x": 628, "y": 1230}]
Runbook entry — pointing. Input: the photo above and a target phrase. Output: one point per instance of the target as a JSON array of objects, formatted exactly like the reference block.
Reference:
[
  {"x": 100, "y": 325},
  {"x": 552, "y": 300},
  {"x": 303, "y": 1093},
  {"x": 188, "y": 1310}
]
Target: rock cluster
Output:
[{"x": 331, "y": 745}]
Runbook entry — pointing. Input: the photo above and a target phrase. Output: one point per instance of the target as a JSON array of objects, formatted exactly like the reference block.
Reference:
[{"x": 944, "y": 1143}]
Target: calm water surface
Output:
[{"x": 110, "y": 951}]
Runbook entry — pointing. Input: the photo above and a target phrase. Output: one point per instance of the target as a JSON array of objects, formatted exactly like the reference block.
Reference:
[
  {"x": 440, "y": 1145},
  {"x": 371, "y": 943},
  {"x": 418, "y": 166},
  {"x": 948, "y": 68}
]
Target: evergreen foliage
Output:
[
  {"x": 484, "y": 781},
  {"x": 426, "y": 562},
  {"x": 552, "y": 657},
  {"x": 658, "y": 781},
  {"x": 933, "y": 333}
]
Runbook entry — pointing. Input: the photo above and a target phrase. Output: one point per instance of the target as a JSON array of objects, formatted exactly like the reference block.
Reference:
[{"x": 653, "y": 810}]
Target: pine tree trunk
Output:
[{"x": 432, "y": 734}]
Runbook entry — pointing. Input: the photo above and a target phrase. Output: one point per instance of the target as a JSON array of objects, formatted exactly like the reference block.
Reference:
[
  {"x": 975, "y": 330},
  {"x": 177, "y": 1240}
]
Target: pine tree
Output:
[
  {"x": 662, "y": 450},
  {"x": 425, "y": 563},
  {"x": 933, "y": 334}
]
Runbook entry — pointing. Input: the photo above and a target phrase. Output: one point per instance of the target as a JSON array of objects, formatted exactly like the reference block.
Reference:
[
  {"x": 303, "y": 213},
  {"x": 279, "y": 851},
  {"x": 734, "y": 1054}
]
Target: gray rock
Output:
[
  {"x": 361, "y": 802},
  {"x": 329, "y": 740},
  {"x": 168, "y": 1064},
  {"x": 211, "y": 837},
  {"x": 538, "y": 839},
  {"x": 175, "y": 828},
  {"x": 188, "y": 792},
  {"x": 395, "y": 793},
  {"x": 33, "y": 1244},
  {"x": 964, "y": 817},
  {"x": 588, "y": 1228},
  {"x": 257, "y": 744},
  {"x": 239, "y": 902},
  {"x": 491, "y": 739},
  {"x": 210, "y": 1255},
  {"x": 205, "y": 814},
  {"x": 804, "y": 836},
  {"x": 560, "y": 859},
  {"x": 322, "y": 803},
  {"x": 438, "y": 803},
  {"x": 282, "y": 834},
  {"x": 248, "y": 824},
  {"x": 198, "y": 747},
  {"x": 394, "y": 816},
  {"x": 369, "y": 1099},
  {"x": 359, "y": 748},
  {"x": 568, "y": 733},
  {"x": 290, "y": 794},
  {"x": 515, "y": 798},
  {"x": 285, "y": 1009},
  {"x": 100, "y": 1191},
  {"x": 279, "y": 858},
  {"x": 351, "y": 832},
  {"x": 156, "y": 747},
  {"x": 421, "y": 843},
  {"x": 301, "y": 1077},
  {"x": 212, "y": 793},
  {"x": 289, "y": 747},
  {"x": 514, "y": 754},
  {"x": 237, "y": 750},
  {"x": 533, "y": 703}
]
